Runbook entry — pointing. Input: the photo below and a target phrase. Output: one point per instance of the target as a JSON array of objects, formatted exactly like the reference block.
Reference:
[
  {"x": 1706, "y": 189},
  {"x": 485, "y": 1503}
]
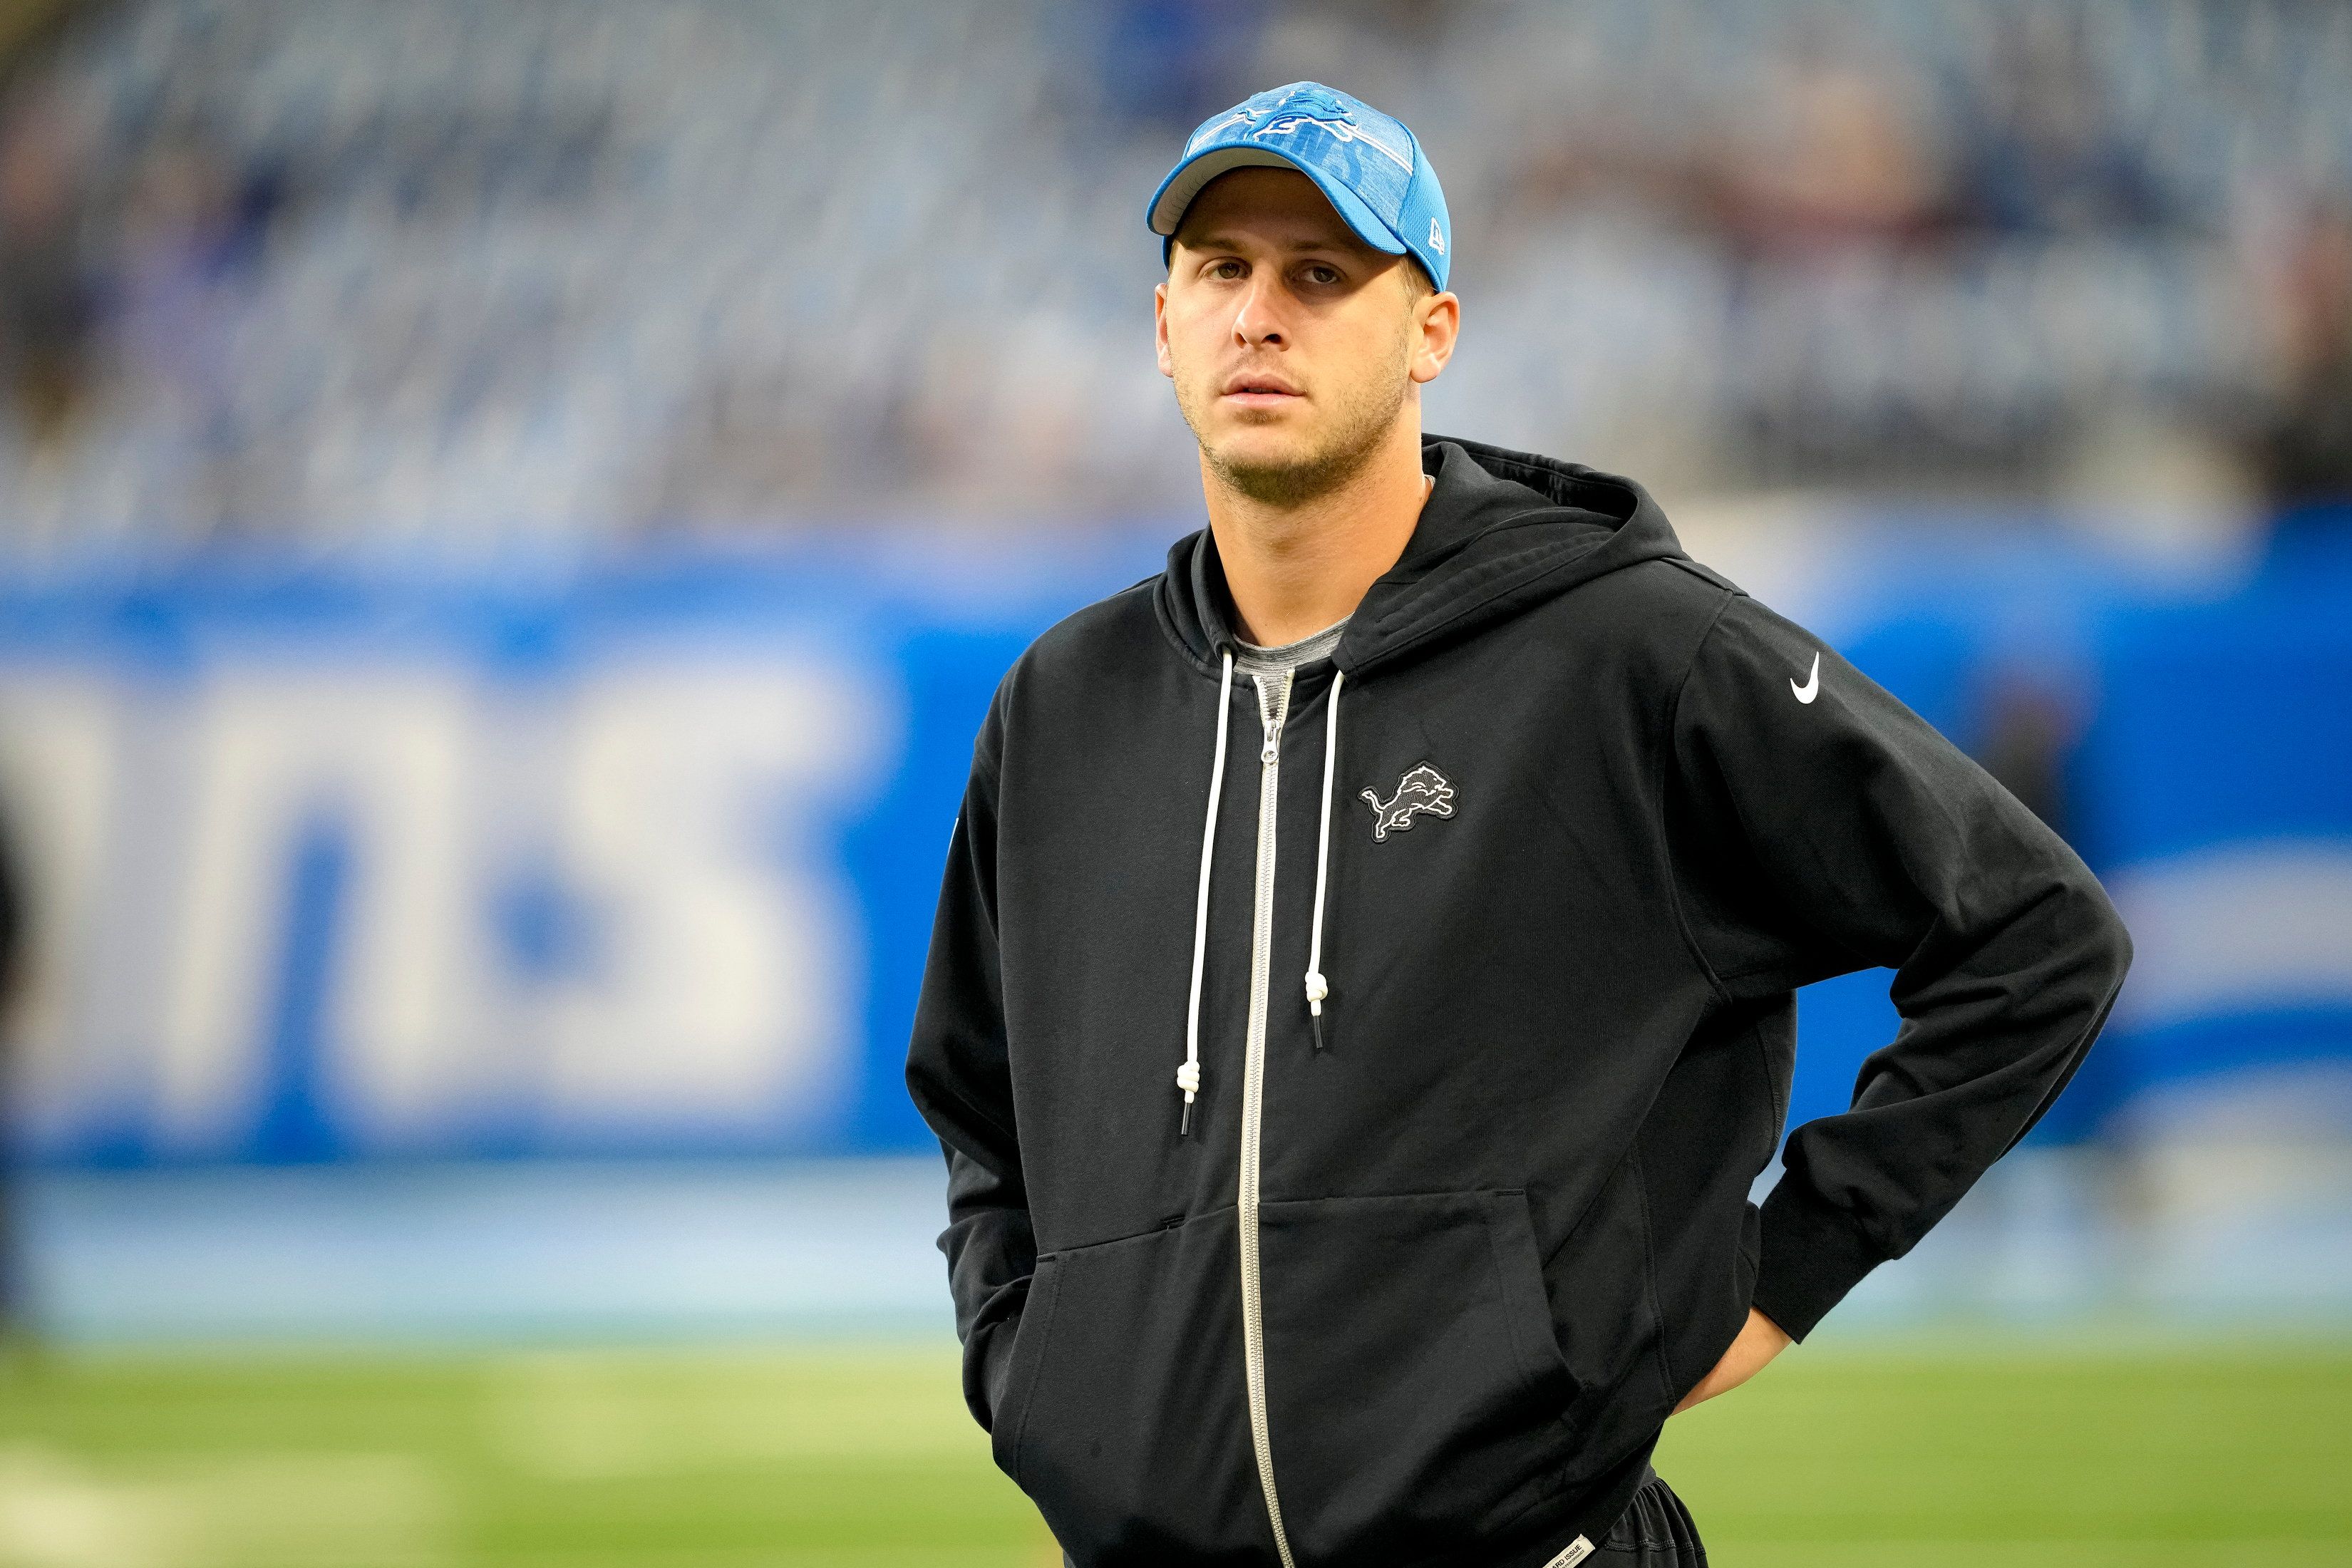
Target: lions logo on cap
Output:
[
  {"x": 1307, "y": 103},
  {"x": 1307, "y": 106}
]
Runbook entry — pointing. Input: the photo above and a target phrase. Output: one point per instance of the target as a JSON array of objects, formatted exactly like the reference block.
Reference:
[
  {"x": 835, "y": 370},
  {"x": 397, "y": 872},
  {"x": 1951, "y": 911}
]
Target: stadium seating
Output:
[{"x": 562, "y": 270}]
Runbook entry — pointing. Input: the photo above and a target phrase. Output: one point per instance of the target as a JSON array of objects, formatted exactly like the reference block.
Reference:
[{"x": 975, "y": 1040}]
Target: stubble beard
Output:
[{"x": 1363, "y": 422}]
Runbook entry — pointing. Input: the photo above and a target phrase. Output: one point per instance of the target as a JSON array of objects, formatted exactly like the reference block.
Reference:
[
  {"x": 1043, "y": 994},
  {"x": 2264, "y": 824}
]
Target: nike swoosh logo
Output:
[{"x": 1812, "y": 686}]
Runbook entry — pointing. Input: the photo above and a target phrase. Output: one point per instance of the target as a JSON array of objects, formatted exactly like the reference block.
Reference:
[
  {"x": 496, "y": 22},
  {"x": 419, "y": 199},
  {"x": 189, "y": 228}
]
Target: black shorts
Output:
[{"x": 1654, "y": 1531}]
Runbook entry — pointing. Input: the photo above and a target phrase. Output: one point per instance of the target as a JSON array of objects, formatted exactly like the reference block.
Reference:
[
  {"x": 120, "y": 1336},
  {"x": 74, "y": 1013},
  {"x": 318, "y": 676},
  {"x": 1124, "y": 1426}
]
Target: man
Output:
[{"x": 1350, "y": 1125}]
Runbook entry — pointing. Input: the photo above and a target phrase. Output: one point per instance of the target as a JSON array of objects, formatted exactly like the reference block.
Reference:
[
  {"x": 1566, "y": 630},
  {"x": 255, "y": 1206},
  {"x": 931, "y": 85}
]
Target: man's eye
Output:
[
  {"x": 1323, "y": 274},
  {"x": 1226, "y": 270}
]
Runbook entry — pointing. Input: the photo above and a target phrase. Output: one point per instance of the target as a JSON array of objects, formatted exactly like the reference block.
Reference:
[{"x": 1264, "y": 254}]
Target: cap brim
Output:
[{"x": 1186, "y": 181}]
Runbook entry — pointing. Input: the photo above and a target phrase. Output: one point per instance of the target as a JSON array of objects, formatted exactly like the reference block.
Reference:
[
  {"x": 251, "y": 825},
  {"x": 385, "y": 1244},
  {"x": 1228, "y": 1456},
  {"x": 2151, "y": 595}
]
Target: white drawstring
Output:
[
  {"x": 1188, "y": 1076},
  {"x": 1315, "y": 988}
]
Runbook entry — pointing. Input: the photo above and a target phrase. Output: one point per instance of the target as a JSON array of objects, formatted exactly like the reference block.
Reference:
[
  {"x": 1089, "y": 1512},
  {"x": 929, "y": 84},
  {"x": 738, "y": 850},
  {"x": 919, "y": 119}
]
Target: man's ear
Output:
[
  {"x": 1436, "y": 324},
  {"x": 1160, "y": 331}
]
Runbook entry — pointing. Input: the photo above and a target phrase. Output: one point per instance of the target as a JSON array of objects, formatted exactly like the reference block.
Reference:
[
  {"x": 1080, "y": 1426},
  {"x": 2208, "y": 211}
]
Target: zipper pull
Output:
[{"x": 1273, "y": 702}]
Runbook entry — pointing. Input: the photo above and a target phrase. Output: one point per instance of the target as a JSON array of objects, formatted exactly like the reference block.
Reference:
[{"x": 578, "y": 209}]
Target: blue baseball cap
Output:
[{"x": 1370, "y": 167}]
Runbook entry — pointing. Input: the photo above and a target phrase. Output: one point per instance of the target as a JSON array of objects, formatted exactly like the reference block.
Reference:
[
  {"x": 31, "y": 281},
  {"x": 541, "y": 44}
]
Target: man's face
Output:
[{"x": 1293, "y": 344}]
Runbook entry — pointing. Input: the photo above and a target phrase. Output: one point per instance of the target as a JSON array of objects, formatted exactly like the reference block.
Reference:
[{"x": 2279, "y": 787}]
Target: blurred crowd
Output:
[{"x": 567, "y": 271}]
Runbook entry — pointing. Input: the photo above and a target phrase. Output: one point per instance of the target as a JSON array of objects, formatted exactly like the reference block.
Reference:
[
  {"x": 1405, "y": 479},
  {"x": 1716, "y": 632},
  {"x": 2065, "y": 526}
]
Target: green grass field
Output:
[{"x": 1837, "y": 1456}]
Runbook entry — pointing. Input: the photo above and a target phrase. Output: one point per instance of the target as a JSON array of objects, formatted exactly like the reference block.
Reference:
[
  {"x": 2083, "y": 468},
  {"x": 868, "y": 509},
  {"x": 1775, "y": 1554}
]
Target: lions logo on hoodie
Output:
[{"x": 1422, "y": 788}]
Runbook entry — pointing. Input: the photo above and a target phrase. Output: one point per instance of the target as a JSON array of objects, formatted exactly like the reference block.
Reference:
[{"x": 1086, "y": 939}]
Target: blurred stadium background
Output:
[{"x": 509, "y": 515}]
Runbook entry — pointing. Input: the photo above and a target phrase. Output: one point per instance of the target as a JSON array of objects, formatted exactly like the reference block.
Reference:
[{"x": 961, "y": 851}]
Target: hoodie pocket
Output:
[
  {"x": 1029, "y": 1337},
  {"x": 1128, "y": 1426},
  {"x": 1415, "y": 1389}
]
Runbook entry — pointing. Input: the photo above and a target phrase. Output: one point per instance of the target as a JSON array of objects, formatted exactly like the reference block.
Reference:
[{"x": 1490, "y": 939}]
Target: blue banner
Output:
[{"x": 639, "y": 855}]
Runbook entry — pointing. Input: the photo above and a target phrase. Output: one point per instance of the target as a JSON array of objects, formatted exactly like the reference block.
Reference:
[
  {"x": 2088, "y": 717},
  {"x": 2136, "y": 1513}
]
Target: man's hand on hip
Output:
[{"x": 1759, "y": 1341}]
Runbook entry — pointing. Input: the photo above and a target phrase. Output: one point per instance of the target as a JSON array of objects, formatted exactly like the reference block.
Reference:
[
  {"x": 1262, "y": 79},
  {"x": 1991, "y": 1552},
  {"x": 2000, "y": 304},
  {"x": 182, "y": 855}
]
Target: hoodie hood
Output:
[{"x": 1501, "y": 532}]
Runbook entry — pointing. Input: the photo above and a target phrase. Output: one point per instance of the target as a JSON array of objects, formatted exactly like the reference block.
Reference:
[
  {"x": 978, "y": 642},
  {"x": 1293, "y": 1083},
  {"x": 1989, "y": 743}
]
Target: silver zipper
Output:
[{"x": 1274, "y": 707}]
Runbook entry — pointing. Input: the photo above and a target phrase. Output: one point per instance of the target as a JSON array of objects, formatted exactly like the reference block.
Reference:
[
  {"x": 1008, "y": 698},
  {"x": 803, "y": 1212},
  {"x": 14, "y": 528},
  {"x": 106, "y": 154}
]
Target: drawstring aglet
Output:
[
  {"x": 1316, "y": 992},
  {"x": 1188, "y": 1078}
]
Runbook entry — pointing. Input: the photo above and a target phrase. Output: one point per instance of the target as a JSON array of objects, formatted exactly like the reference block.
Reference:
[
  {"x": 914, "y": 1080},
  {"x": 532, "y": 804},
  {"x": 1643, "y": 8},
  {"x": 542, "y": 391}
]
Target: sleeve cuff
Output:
[{"x": 1812, "y": 1255}]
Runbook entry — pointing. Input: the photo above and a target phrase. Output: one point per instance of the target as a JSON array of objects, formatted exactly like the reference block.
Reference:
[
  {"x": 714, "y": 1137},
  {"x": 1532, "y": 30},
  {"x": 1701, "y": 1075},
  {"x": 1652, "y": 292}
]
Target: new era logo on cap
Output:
[{"x": 1368, "y": 164}]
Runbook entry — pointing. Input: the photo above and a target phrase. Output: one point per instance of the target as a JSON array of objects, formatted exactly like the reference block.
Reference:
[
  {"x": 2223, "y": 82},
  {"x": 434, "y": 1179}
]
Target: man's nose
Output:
[{"x": 1258, "y": 323}]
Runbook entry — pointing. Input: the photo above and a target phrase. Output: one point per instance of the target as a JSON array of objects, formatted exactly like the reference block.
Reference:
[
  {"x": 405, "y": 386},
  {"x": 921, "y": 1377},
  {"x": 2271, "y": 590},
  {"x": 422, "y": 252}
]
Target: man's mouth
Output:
[{"x": 1261, "y": 389}]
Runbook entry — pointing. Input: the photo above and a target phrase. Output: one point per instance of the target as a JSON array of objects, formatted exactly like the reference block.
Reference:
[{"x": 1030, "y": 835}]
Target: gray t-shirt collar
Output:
[{"x": 1249, "y": 658}]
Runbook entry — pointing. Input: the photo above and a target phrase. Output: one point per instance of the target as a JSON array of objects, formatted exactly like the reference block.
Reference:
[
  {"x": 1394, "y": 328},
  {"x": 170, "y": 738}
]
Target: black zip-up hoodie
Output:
[{"x": 1424, "y": 1292}]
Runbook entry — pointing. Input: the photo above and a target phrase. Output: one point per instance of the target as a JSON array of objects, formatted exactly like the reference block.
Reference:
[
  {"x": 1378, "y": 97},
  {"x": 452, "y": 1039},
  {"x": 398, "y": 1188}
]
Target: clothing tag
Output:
[{"x": 1576, "y": 1552}]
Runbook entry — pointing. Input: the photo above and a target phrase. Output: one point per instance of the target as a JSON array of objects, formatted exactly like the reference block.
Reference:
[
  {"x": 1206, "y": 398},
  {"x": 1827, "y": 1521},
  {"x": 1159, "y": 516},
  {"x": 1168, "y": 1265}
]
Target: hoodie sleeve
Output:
[
  {"x": 1820, "y": 826},
  {"x": 959, "y": 1075}
]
